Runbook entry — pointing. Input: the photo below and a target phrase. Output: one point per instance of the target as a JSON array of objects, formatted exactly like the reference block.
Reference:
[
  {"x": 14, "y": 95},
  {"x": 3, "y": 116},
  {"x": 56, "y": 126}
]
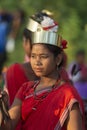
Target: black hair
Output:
[
  {"x": 27, "y": 34},
  {"x": 54, "y": 49}
]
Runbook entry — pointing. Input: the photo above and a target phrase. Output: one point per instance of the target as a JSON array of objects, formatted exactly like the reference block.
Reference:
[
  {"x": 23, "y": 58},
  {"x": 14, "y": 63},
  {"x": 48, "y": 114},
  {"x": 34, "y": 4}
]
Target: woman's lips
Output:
[{"x": 38, "y": 69}]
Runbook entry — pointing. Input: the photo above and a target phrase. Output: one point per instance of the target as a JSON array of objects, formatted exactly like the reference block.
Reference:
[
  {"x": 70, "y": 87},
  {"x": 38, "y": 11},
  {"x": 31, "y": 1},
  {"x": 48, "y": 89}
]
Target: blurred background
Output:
[{"x": 71, "y": 17}]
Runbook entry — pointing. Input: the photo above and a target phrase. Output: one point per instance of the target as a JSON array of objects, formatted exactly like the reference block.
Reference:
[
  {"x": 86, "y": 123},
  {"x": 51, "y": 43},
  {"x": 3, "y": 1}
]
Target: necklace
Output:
[{"x": 41, "y": 94}]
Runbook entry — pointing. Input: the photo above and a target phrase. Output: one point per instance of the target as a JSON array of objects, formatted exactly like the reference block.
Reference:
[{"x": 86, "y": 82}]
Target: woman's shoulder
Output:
[
  {"x": 68, "y": 95},
  {"x": 25, "y": 89},
  {"x": 71, "y": 96},
  {"x": 69, "y": 90}
]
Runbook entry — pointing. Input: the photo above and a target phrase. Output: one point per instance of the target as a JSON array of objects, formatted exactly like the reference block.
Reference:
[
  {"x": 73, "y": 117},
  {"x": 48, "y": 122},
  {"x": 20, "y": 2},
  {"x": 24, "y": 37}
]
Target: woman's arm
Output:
[
  {"x": 74, "y": 121},
  {"x": 15, "y": 114}
]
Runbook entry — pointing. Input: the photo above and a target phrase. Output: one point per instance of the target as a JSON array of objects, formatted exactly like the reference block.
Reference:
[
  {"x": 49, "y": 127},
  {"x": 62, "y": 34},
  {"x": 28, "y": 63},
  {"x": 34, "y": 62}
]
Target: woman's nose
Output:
[{"x": 38, "y": 61}]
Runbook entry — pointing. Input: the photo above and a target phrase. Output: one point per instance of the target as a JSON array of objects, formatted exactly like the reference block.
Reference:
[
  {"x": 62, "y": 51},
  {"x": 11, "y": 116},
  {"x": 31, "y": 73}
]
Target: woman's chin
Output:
[{"x": 39, "y": 74}]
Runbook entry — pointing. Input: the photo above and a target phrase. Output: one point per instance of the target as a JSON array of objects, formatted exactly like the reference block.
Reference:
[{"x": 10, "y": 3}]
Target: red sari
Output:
[{"x": 49, "y": 108}]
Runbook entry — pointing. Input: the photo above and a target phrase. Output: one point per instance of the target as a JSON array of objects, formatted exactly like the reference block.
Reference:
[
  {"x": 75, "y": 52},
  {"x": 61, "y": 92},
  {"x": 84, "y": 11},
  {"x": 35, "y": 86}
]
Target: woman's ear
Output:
[{"x": 59, "y": 59}]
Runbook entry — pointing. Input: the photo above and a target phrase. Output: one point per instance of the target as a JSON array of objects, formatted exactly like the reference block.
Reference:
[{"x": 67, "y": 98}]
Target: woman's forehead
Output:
[{"x": 39, "y": 47}]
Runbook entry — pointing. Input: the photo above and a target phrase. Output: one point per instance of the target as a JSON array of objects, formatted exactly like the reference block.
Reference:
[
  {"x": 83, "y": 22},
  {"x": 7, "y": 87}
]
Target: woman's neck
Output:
[{"x": 47, "y": 81}]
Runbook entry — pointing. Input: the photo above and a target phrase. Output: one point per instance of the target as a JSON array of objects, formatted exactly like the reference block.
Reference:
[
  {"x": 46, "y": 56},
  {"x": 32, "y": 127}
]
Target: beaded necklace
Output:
[{"x": 45, "y": 92}]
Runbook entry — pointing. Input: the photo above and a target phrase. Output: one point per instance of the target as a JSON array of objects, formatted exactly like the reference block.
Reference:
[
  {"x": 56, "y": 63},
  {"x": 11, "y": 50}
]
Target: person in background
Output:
[
  {"x": 18, "y": 17},
  {"x": 19, "y": 73},
  {"x": 78, "y": 73},
  {"x": 5, "y": 23},
  {"x": 80, "y": 62},
  {"x": 27, "y": 44},
  {"x": 10, "y": 23},
  {"x": 50, "y": 102}
]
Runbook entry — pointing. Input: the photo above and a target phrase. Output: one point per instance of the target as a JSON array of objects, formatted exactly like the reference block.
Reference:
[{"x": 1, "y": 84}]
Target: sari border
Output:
[{"x": 65, "y": 114}]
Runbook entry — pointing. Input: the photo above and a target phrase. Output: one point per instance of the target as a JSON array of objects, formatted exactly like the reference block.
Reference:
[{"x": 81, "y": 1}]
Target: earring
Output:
[{"x": 57, "y": 66}]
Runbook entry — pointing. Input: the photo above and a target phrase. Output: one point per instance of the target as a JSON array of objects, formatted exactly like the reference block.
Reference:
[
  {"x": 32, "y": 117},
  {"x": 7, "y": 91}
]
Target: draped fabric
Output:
[
  {"x": 15, "y": 77},
  {"x": 47, "y": 109}
]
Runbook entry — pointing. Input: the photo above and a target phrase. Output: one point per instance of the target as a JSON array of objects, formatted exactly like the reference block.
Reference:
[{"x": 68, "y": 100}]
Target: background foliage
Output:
[{"x": 71, "y": 16}]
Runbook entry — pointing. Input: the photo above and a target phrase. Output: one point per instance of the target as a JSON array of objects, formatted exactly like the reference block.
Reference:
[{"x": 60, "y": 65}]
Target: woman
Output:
[{"x": 49, "y": 103}]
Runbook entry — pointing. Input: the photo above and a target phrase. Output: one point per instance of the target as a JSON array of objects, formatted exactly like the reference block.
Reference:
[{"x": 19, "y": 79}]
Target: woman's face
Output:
[{"x": 42, "y": 60}]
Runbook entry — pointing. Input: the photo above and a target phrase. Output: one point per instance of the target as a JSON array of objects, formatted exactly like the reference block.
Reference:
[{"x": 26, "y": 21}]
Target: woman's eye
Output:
[
  {"x": 44, "y": 56},
  {"x": 32, "y": 56},
  {"x": 41, "y": 56}
]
